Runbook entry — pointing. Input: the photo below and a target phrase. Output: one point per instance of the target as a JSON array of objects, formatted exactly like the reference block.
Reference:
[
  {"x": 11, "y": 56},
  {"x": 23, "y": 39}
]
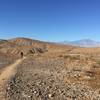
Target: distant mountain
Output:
[
  {"x": 3, "y": 41},
  {"x": 83, "y": 43}
]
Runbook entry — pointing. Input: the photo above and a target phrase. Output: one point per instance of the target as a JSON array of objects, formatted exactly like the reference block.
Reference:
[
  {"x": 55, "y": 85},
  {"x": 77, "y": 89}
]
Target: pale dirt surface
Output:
[{"x": 5, "y": 75}]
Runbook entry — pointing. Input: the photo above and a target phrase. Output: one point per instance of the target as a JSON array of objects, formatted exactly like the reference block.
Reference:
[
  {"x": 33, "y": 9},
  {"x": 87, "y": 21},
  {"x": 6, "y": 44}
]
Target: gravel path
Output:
[{"x": 5, "y": 75}]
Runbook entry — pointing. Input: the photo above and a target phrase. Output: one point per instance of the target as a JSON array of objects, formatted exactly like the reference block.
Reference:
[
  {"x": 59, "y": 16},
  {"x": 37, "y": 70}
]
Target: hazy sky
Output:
[{"x": 50, "y": 20}]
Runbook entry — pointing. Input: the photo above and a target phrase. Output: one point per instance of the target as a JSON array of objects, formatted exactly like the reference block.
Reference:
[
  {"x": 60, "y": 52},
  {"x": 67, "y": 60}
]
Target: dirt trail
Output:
[{"x": 5, "y": 75}]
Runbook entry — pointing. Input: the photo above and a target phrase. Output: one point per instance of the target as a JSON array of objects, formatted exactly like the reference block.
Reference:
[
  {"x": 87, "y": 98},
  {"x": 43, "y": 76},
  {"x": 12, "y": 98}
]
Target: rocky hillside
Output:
[
  {"x": 15, "y": 46},
  {"x": 25, "y": 45}
]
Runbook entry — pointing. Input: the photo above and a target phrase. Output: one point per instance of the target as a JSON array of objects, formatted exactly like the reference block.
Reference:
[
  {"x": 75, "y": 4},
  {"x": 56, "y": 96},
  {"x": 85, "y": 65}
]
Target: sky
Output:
[{"x": 50, "y": 20}]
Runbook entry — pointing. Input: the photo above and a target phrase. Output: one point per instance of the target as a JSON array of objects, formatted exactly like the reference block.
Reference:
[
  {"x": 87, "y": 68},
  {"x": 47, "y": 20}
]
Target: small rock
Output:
[
  {"x": 35, "y": 92},
  {"x": 51, "y": 95}
]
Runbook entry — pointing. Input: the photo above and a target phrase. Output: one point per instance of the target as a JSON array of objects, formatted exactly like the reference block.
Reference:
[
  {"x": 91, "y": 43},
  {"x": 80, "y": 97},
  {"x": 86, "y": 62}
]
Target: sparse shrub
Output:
[
  {"x": 98, "y": 62},
  {"x": 90, "y": 73},
  {"x": 31, "y": 52},
  {"x": 40, "y": 50},
  {"x": 60, "y": 56},
  {"x": 35, "y": 50},
  {"x": 72, "y": 57},
  {"x": 96, "y": 65},
  {"x": 66, "y": 56}
]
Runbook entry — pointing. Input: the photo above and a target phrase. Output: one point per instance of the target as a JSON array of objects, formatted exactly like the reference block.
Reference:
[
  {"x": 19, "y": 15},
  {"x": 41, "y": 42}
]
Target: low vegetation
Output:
[{"x": 55, "y": 73}]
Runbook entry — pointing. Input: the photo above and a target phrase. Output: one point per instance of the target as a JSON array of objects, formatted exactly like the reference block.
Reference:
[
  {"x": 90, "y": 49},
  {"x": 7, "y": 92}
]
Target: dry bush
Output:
[
  {"x": 60, "y": 56},
  {"x": 72, "y": 57}
]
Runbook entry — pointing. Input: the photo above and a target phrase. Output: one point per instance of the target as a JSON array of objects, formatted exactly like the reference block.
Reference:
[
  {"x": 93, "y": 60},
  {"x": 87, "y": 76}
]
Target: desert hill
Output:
[
  {"x": 16, "y": 45},
  {"x": 30, "y": 46}
]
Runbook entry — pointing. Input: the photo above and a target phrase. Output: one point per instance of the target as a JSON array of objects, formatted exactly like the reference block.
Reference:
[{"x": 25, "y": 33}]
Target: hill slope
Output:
[{"x": 25, "y": 45}]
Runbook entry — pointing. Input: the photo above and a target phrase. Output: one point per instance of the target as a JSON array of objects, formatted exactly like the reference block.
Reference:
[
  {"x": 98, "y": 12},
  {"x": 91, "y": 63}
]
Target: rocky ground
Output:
[
  {"x": 49, "y": 71},
  {"x": 55, "y": 78},
  {"x": 5, "y": 60}
]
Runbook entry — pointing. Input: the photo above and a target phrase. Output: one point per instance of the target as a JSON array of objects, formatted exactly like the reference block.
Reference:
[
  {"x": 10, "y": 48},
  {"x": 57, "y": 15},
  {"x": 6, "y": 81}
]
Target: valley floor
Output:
[{"x": 59, "y": 78}]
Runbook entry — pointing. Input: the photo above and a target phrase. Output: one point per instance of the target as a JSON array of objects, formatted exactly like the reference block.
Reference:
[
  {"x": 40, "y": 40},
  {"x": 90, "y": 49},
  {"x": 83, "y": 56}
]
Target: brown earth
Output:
[
  {"x": 5, "y": 76},
  {"x": 50, "y": 71}
]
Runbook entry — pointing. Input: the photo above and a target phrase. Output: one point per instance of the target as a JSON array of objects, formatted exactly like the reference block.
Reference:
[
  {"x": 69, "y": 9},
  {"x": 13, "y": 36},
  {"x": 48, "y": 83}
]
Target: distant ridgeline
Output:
[{"x": 83, "y": 43}]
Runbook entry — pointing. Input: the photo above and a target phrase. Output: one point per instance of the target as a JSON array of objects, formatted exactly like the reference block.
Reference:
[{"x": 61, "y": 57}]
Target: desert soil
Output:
[
  {"x": 49, "y": 71},
  {"x": 56, "y": 78},
  {"x": 5, "y": 76}
]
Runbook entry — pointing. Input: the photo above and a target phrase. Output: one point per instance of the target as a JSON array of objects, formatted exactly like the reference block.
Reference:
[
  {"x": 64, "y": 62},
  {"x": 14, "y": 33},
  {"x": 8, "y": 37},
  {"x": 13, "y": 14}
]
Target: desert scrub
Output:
[
  {"x": 96, "y": 65},
  {"x": 72, "y": 57},
  {"x": 60, "y": 56}
]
